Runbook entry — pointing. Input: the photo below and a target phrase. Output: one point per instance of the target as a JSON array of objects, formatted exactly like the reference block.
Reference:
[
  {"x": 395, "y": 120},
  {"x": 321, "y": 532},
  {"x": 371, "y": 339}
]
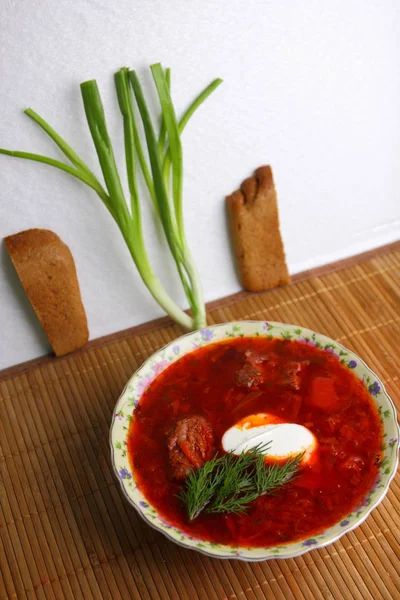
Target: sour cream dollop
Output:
[{"x": 284, "y": 440}]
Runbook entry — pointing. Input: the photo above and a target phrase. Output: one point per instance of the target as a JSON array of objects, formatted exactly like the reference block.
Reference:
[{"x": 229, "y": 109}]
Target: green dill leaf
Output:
[
  {"x": 230, "y": 483},
  {"x": 200, "y": 486},
  {"x": 269, "y": 478}
]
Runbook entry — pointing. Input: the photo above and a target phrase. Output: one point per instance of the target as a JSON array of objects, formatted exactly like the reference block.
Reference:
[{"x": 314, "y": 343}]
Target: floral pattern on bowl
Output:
[{"x": 173, "y": 351}]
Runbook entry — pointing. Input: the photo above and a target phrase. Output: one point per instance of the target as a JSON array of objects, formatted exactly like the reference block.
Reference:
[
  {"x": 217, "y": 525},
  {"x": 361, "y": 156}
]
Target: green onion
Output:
[{"x": 163, "y": 175}]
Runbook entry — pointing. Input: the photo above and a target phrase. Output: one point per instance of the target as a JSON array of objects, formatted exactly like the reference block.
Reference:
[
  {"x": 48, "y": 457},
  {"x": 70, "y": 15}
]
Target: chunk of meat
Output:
[
  {"x": 291, "y": 374},
  {"x": 252, "y": 373},
  {"x": 262, "y": 368},
  {"x": 248, "y": 376},
  {"x": 190, "y": 445}
]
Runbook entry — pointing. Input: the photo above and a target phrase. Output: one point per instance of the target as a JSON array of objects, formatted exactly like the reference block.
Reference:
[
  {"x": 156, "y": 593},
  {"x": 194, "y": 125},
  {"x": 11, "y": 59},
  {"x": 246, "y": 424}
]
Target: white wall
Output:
[{"x": 311, "y": 87}]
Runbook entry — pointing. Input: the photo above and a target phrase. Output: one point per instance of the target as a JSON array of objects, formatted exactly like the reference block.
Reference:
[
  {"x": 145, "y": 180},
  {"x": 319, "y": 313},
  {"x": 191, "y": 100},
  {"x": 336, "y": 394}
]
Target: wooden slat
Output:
[{"x": 67, "y": 532}]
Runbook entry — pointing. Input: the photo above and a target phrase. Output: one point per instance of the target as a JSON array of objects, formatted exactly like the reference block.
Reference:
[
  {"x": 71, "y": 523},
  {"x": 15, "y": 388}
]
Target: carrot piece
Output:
[{"x": 323, "y": 395}]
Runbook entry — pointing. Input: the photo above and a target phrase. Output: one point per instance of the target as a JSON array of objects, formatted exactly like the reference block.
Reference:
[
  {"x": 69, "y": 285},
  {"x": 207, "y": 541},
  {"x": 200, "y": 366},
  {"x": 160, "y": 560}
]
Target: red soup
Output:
[{"x": 209, "y": 390}]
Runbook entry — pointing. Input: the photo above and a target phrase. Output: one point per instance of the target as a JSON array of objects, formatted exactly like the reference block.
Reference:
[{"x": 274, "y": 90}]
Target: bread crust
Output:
[
  {"x": 254, "y": 224},
  {"x": 47, "y": 272}
]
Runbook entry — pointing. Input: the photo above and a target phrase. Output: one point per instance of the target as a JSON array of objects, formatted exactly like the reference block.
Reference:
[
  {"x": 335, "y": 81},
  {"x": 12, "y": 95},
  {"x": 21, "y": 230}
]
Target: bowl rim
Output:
[{"x": 305, "y": 549}]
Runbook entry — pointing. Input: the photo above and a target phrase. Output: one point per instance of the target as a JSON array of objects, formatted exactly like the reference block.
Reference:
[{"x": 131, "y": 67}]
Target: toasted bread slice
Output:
[
  {"x": 47, "y": 271},
  {"x": 254, "y": 223}
]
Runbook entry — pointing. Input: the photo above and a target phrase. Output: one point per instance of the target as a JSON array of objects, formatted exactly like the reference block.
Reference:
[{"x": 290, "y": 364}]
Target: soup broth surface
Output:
[{"x": 227, "y": 381}]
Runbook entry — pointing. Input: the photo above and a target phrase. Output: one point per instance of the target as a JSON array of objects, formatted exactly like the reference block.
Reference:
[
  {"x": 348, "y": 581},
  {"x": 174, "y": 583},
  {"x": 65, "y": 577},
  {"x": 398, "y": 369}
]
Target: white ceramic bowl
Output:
[{"x": 187, "y": 343}]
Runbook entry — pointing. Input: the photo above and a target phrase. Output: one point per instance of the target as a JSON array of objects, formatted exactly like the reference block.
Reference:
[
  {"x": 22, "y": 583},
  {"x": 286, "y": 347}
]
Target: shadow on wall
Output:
[{"x": 21, "y": 299}]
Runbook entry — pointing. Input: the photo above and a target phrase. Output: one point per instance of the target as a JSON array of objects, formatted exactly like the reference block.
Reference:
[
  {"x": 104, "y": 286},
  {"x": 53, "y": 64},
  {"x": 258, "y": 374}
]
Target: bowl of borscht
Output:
[{"x": 254, "y": 440}]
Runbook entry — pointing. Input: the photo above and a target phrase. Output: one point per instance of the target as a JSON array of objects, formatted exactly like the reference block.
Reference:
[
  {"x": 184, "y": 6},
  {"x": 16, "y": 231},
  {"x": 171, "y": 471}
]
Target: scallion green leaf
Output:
[{"x": 164, "y": 153}]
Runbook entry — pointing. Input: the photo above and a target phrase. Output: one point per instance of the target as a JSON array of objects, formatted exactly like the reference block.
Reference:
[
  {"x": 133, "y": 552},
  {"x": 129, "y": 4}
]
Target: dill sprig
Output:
[
  {"x": 270, "y": 478},
  {"x": 201, "y": 485},
  {"x": 230, "y": 483}
]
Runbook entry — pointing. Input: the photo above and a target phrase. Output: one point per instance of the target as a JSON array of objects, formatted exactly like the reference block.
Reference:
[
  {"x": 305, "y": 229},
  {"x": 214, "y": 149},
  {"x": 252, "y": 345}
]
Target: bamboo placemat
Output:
[{"x": 67, "y": 532}]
